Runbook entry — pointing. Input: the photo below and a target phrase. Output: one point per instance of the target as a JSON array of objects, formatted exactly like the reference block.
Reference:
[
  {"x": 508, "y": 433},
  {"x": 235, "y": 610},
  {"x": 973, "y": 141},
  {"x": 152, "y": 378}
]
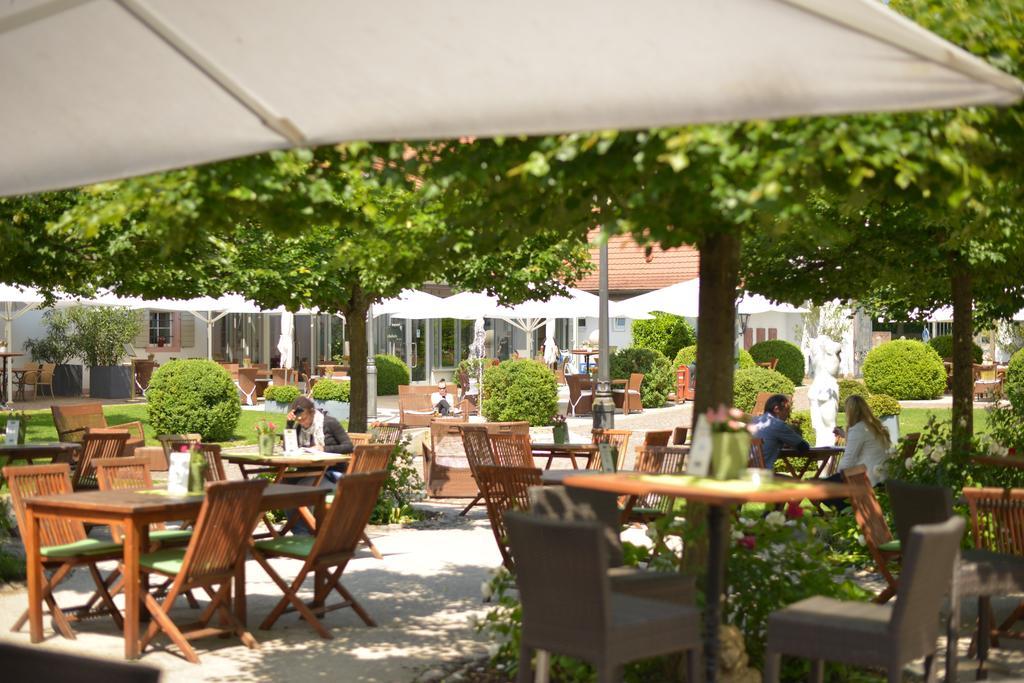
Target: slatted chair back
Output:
[
  {"x": 26, "y": 481},
  {"x": 172, "y": 443},
  {"x": 222, "y": 530},
  {"x": 72, "y": 422},
  {"x": 755, "y": 458},
  {"x": 359, "y": 438},
  {"x": 214, "y": 465},
  {"x": 679, "y": 435},
  {"x": 505, "y": 489},
  {"x": 518, "y": 427},
  {"x": 119, "y": 474},
  {"x": 914, "y": 504},
  {"x": 760, "y": 401},
  {"x": 997, "y": 519},
  {"x": 658, "y": 437},
  {"x": 385, "y": 433},
  {"x": 631, "y": 399},
  {"x": 660, "y": 460},
  {"x": 97, "y": 444},
  {"x": 511, "y": 450},
  {"x": 370, "y": 458},
  {"x": 617, "y": 438},
  {"x": 347, "y": 517},
  {"x": 477, "y": 447}
]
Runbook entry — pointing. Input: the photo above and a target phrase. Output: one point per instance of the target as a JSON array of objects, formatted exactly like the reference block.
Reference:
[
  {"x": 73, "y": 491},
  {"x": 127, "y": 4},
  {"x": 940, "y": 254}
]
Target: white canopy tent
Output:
[
  {"x": 409, "y": 301},
  {"x": 683, "y": 299},
  {"x": 102, "y": 89}
]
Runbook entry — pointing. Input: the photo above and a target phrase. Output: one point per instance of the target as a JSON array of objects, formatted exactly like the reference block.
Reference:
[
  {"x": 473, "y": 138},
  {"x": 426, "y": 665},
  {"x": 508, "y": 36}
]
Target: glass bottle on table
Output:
[{"x": 197, "y": 467}]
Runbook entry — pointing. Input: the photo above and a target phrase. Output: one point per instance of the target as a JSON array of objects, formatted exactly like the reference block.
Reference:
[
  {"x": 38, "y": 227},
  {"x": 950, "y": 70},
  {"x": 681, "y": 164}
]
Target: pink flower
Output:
[
  {"x": 794, "y": 511},
  {"x": 272, "y": 426},
  {"x": 183, "y": 448},
  {"x": 748, "y": 542}
]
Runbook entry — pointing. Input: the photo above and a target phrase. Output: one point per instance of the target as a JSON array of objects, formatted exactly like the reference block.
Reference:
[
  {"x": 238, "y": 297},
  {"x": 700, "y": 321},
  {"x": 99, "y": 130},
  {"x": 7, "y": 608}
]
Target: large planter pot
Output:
[
  {"x": 892, "y": 423},
  {"x": 276, "y": 407},
  {"x": 67, "y": 380},
  {"x": 110, "y": 381},
  {"x": 336, "y": 409}
]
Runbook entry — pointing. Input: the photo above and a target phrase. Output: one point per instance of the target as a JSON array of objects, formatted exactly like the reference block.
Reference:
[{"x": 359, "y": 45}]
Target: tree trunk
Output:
[
  {"x": 355, "y": 319},
  {"x": 963, "y": 357}
]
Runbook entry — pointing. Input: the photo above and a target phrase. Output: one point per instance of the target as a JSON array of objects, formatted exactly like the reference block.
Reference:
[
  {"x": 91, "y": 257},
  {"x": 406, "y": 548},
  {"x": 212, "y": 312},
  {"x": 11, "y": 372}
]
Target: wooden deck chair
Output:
[
  {"x": 755, "y": 458},
  {"x": 72, "y": 422},
  {"x": 506, "y": 488},
  {"x": 359, "y": 438},
  {"x": 64, "y": 545},
  {"x": 655, "y": 460},
  {"x": 446, "y": 471},
  {"x": 384, "y": 432},
  {"x": 478, "y": 452},
  {"x": 246, "y": 383},
  {"x": 97, "y": 444},
  {"x": 324, "y": 555},
  {"x": 222, "y": 532},
  {"x": 617, "y": 439},
  {"x": 174, "y": 442},
  {"x": 117, "y": 474},
  {"x": 511, "y": 450},
  {"x": 877, "y": 536},
  {"x": 760, "y": 401}
]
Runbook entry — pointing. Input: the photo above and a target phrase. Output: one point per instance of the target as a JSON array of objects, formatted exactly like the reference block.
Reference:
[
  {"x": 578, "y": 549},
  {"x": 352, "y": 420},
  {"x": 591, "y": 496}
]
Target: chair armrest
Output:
[
  {"x": 80, "y": 431},
  {"x": 135, "y": 427}
]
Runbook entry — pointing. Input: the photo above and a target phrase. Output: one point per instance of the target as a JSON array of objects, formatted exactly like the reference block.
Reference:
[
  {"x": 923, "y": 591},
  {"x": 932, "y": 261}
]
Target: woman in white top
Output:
[{"x": 867, "y": 441}]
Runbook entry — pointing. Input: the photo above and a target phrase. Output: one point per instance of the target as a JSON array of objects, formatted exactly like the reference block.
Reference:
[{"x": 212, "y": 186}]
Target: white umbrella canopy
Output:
[
  {"x": 410, "y": 301},
  {"x": 683, "y": 298},
  {"x": 113, "y": 88},
  {"x": 461, "y": 306},
  {"x": 575, "y": 304}
]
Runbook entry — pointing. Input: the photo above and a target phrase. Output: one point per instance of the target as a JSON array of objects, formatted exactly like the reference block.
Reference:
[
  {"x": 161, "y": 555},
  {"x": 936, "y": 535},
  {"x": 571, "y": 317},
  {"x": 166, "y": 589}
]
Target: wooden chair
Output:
[
  {"x": 214, "y": 465},
  {"x": 657, "y": 437},
  {"x": 655, "y": 460},
  {"x": 629, "y": 396},
  {"x": 511, "y": 450},
  {"x": 174, "y": 442},
  {"x": 446, "y": 470},
  {"x": 506, "y": 488},
  {"x": 415, "y": 409},
  {"x": 908, "y": 444},
  {"x": 477, "y": 447},
  {"x": 325, "y": 555},
  {"x": 64, "y": 545},
  {"x": 72, "y": 422},
  {"x": 222, "y": 532},
  {"x": 246, "y": 383},
  {"x": 770, "y": 364},
  {"x": 679, "y": 435},
  {"x": 43, "y": 665},
  {"x": 370, "y": 458},
  {"x": 617, "y": 439},
  {"x": 755, "y": 458},
  {"x": 759, "y": 403},
  {"x": 581, "y": 394},
  {"x": 359, "y": 438},
  {"x": 685, "y": 384},
  {"x": 97, "y": 444},
  {"x": 871, "y": 521},
  {"x": 383, "y": 432},
  {"x": 118, "y": 474}
]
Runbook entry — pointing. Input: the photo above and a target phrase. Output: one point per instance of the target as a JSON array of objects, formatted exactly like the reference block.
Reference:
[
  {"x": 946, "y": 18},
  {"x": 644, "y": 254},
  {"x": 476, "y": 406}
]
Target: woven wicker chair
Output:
[
  {"x": 914, "y": 504},
  {"x": 506, "y": 488},
  {"x": 97, "y": 444},
  {"x": 877, "y": 536},
  {"x": 383, "y": 432},
  {"x": 628, "y": 397},
  {"x": 222, "y": 532},
  {"x": 570, "y": 609},
  {"x": 72, "y": 423},
  {"x": 64, "y": 544},
  {"x": 581, "y": 394},
  {"x": 884, "y": 636},
  {"x": 331, "y": 549}
]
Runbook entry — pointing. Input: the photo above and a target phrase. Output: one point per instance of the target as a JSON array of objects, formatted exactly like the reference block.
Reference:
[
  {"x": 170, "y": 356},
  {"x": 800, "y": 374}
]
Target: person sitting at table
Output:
[
  {"x": 774, "y": 431},
  {"x": 439, "y": 399},
  {"x": 867, "y": 441},
  {"x": 320, "y": 431}
]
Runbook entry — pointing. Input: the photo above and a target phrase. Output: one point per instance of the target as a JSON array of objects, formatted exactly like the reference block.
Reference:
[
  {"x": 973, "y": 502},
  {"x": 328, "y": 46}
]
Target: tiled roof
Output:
[{"x": 632, "y": 271}]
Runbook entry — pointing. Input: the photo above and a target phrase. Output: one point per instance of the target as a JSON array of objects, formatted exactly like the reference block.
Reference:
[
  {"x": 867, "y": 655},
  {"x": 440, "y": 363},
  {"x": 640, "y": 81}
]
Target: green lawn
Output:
[
  {"x": 914, "y": 419},
  {"x": 40, "y": 426}
]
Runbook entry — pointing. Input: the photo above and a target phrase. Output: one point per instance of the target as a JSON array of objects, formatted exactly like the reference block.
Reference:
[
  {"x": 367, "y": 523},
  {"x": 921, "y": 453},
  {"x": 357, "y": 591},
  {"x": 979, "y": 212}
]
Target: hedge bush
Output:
[
  {"x": 659, "y": 378},
  {"x": 791, "y": 358},
  {"x": 851, "y": 387},
  {"x": 391, "y": 371},
  {"x": 520, "y": 390},
  {"x": 943, "y": 345},
  {"x": 748, "y": 383},
  {"x": 883, "y": 404},
  {"x": 666, "y": 332},
  {"x": 1014, "y": 385},
  {"x": 801, "y": 421},
  {"x": 286, "y": 393},
  {"x": 906, "y": 370},
  {"x": 688, "y": 355},
  {"x": 193, "y": 397},
  {"x": 331, "y": 390}
]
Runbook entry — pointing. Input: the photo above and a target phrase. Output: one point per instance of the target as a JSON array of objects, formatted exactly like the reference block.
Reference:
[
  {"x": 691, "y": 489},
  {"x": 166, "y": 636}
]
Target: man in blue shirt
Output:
[{"x": 774, "y": 431}]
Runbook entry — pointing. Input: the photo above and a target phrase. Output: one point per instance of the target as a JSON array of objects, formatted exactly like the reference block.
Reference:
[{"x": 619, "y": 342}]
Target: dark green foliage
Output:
[
  {"x": 851, "y": 387},
  {"x": 882, "y": 405},
  {"x": 283, "y": 394},
  {"x": 391, "y": 371},
  {"x": 906, "y": 370},
  {"x": 943, "y": 345},
  {"x": 748, "y": 383},
  {"x": 331, "y": 390},
  {"x": 791, "y": 358},
  {"x": 659, "y": 377},
  {"x": 103, "y": 333},
  {"x": 193, "y": 396},
  {"x": 402, "y": 487},
  {"x": 665, "y": 332},
  {"x": 801, "y": 421},
  {"x": 61, "y": 341},
  {"x": 520, "y": 390},
  {"x": 1015, "y": 381}
]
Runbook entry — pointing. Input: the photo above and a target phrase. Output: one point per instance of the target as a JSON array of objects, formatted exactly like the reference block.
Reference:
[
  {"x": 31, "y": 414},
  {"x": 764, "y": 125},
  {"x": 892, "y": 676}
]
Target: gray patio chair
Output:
[
  {"x": 571, "y": 504},
  {"x": 569, "y": 608},
  {"x": 914, "y": 504},
  {"x": 884, "y": 636}
]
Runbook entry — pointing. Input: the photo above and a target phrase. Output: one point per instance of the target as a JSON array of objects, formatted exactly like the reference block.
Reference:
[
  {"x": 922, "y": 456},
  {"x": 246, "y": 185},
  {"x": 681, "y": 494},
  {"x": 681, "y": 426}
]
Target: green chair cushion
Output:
[
  {"x": 297, "y": 546},
  {"x": 165, "y": 560},
  {"x": 890, "y": 547},
  {"x": 171, "y": 535},
  {"x": 87, "y": 546}
]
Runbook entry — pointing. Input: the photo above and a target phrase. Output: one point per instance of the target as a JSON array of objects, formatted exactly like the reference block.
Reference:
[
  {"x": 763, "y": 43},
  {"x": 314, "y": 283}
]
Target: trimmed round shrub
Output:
[
  {"x": 801, "y": 421},
  {"x": 520, "y": 390},
  {"x": 391, "y": 371},
  {"x": 748, "y": 383},
  {"x": 791, "y": 358},
  {"x": 1014, "y": 384},
  {"x": 285, "y": 393},
  {"x": 851, "y": 387},
  {"x": 882, "y": 405},
  {"x": 688, "y": 355},
  {"x": 659, "y": 378},
  {"x": 193, "y": 397},
  {"x": 906, "y": 370},
  {"x": 331, "y": 390},
  {"x": 666, "y": 332},
  {"x": 943, "y": 345}
]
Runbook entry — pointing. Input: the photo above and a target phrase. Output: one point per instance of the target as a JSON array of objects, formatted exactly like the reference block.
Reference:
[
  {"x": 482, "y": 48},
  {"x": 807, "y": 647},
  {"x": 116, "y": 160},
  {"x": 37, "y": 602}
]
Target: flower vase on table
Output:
[
  {"x": 730, "y": 443},
  {"x": 266, "y": 432},
  {"x": 559, "y": 429}
]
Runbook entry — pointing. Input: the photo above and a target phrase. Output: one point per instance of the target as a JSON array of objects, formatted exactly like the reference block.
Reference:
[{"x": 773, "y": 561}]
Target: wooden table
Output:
[
  {"x": 587, "y": 355},
  {"x": 798, "y": 465},
  {"x": 3, "y": 374},
  {"x": 136, "y": 510},
  {"x": 718, "y": 496},
  {"x": 56, "y": 451},
  {"x": 562, "y": 450}
]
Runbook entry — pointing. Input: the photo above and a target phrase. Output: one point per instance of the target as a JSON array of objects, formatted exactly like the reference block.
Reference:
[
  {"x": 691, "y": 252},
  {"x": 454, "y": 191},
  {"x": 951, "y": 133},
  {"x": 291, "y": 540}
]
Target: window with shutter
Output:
[
  {"x": 188, "y": 331},
  {"x": 141, "y": 340}
]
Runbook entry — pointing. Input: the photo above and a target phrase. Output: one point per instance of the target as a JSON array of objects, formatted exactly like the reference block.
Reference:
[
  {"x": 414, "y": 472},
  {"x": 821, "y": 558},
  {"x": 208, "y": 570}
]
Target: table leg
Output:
[
  {"x": 3, "y": 387},
  {"x": 34, "y": 569},
  {"x": 132, "y": 578},
  {"x": 715, "y": 584}
]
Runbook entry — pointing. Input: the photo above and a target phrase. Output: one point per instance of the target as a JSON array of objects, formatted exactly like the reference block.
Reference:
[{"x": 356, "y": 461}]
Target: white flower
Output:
[
  {"x": 937, "y": 454},
  {"x": 737, "y": 534},
  {"x": 485, "y": 590},
  {"x": 908, "y": 463},
  {"x": 860, "y": 539},
  {"x": 775, "y": 518},
  {"x": 492, "y": 649}
]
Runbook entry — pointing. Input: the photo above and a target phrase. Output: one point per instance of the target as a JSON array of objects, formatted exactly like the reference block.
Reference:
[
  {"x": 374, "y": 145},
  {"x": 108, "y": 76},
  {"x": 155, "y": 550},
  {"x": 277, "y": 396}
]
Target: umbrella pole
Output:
[
  {"x": 604, "y": 406},
  {"x": 371, "y": 369}
]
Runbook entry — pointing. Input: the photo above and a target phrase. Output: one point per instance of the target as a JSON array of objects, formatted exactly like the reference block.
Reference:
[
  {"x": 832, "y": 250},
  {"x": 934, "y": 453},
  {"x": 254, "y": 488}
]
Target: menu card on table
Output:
[
  {"x": 11, "y": 436},
  {"x": 291, "y": 441}
]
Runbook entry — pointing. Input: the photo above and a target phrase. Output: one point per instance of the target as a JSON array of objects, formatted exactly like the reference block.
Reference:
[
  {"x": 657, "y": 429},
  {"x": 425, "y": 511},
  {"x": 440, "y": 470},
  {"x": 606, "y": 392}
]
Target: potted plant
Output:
[
  {"x": 59, "y": 346},
  {"x": 559, "y": 429},
  {"x": 103, "y": 334},
  {"x": 887, "y": 410},
  {"x": 266, "y": 436},
  {"x": 332, "y": 397},
  {"x": 277, "y": 399}
]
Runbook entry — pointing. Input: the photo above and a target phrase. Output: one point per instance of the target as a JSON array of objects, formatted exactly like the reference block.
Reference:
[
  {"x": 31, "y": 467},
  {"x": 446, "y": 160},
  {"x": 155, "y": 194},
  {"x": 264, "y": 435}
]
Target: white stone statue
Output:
[{"x": 824, "y": 390}]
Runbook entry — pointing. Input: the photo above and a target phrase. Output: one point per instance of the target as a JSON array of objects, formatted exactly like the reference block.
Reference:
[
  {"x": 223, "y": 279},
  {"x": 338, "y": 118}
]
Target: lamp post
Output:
[{"x": 604, "y": 406}]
